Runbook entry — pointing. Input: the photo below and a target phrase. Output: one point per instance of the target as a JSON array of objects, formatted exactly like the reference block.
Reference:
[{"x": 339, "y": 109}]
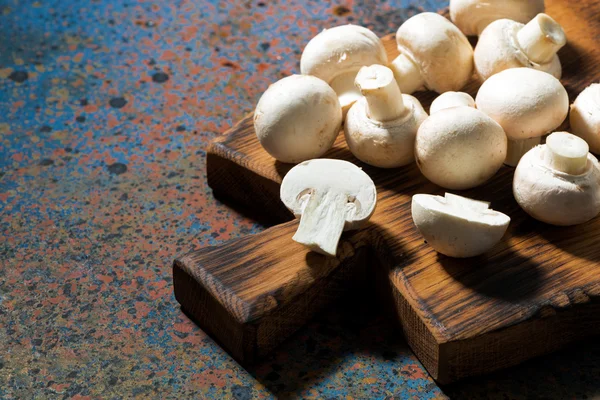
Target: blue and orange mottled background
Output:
[{"x": 106, "y": 108}]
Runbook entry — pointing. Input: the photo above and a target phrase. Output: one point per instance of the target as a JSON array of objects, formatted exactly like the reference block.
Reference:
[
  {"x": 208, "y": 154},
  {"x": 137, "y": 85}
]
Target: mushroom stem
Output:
[
  {"x": 383, "y": 96},
  {"x": 566, "y": 153},
  {"x": 541, "y": 38},
  {"x": 517, "y": 149},
  {"x": 407, "y": 74},
  {"x": 322, "y": 221}
]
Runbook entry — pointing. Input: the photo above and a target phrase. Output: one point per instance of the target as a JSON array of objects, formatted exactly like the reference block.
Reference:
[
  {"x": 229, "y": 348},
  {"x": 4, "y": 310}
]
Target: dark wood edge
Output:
[
  {"x": 522, "y": 340},
  {"x": 220, "y": 324}
]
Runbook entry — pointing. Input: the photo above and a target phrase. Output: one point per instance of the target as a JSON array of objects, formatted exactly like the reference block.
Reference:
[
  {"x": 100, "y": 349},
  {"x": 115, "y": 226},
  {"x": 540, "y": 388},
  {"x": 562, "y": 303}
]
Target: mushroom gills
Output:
[{"x": 322, "y": 221}]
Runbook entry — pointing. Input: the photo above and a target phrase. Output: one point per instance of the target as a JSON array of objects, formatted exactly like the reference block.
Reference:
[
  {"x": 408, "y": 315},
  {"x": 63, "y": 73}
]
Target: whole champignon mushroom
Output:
[
  {"x": 297, "y": 118},
  {"x": 508, "y": 44},
  {"x": 585, "y": 117},
  {"x": 473, "y": 16},
  {"x": 337, "y": 54},
  {"x": 559, "y": 183},
  {"x": 434, "y": 55},
  {"x": 527, "y": 104},
  {"x": 457, "y": 226},
  {"x": 459, "y": 147},
  {"x": 329, "y": 196},
  {"x": 380, "y": 128}
]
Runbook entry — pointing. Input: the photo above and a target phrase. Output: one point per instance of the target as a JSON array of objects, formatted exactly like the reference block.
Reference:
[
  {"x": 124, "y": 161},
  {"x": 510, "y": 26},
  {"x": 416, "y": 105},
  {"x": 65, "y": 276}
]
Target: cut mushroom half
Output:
[
  {"x": 329, "y": 197},
  {"x": 457, "y": 226},
  {"x": 559, "y": 183},
  {"x": 337, "y": 54},
  {"x": 508, "y": 44}
]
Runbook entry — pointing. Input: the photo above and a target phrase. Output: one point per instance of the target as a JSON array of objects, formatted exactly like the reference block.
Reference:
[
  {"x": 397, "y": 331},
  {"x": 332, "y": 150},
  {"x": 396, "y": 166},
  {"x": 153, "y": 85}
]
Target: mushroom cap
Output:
[
  {"x": 525, "y": 102},
  {"x": 297, "y": 118},
  {"x": 388, "y": 144},
  {"x": 585, "y": 117},
  {"x": 460, "y": 148},
  {"x": 327, "y": 175},
  {"x": 440, "y": 50},
  {"x": 458, "y": 228},
  {"x": 554, "y": 197},
  {"x": 450, "y": 100},
  {"x": 342, "y": 50},
  {"x": 497, "y": 50},
  {"x": 472, "y": 16}
]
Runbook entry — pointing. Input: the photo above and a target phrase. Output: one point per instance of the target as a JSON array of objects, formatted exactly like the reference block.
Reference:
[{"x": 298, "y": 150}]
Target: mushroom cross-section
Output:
[
  {"x": 337, "y": 54},
  {"x": 380, "y": 128},
  {"x": 527, "y": 104},
  {"x": 472, "y": 16},
  {"x": 434, "y": 55},
  {"x": 457, "y": 226},
  {"x": 508, "y": 44},
  {"x": 459, "y": 147},
  {"x": 297, "y": 118},
  {"x": 329, "y": 196},
  {"x": 585, "y": 117},
  {"x": 559, "y": 183}
]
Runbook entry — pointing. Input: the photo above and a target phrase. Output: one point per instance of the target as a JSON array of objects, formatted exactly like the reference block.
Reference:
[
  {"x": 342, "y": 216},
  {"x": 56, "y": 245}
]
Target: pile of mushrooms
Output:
[{"x": 348, "y": 84}]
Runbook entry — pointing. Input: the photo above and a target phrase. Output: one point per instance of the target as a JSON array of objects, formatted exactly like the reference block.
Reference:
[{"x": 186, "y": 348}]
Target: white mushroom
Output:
[
  {"x": 329, "y": 196},
  {"x": 472, "y": 16},
  {"x": 451, "y": 99},
  {"x": 508, "y": 44},
  {"x": 434, "y": 55},
  {"x": 457, "y": 226},
  {"x": 298, "y": 118},
  {"x": 380, "y": 128},
  {"x": 559, "y": 183},
  {"x": 337, "y": 54},
  {"x": 585, "y": 117},
  {"x": 459, "y": 147},
  {"x": 527, "y": 104}
]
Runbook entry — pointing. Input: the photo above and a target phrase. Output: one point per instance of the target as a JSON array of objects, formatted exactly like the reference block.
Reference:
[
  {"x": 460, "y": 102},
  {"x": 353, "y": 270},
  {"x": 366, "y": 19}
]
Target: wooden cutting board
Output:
[{"x": 535, "y": 292}]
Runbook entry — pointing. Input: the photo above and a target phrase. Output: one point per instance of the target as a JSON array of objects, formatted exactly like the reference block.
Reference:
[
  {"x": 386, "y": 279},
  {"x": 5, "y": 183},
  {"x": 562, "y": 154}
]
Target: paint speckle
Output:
[
  {"x": 265, "y": 46},
  {"x": 117, "y": 168},
  {"x": 45, "y": 128},
  {"x": 18, "y": 76},
  {"x": 117, "y": 102},
  {"x": 80, "y": 118},
  {"x": 160, "y": 77},
  {"x": 341, "y": 11},
  {"x": 46, "y": 161}
]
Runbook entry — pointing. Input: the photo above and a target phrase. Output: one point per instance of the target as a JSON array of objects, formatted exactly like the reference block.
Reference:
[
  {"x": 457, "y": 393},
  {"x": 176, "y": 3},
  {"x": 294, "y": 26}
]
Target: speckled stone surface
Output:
[{"x": 106, "y": 108}]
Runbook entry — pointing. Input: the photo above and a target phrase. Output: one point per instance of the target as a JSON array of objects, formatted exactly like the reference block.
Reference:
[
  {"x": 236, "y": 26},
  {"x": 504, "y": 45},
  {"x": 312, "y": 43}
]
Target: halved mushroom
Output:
[
  {"x": 381, "y": 127},
  {"x": 297, "y": 118},
  {"x": 457, "y": 226},
  {"x": 527, "y": 104},
  {"x": 337, "y": 54},
  {"x": 329, "y": 196},
  {"x": 559, "y": 183},
  {"x": 434, "y": 55},
  {"x": 585, "y": 116},
  {"x": 508, "y": 44},
  {"x": 472, "y": 16}
]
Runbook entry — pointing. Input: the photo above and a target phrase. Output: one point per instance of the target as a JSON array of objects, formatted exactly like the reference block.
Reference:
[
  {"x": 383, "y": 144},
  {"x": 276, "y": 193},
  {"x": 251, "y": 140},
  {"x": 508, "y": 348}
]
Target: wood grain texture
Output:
[{"x": 536, "y": 291}]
